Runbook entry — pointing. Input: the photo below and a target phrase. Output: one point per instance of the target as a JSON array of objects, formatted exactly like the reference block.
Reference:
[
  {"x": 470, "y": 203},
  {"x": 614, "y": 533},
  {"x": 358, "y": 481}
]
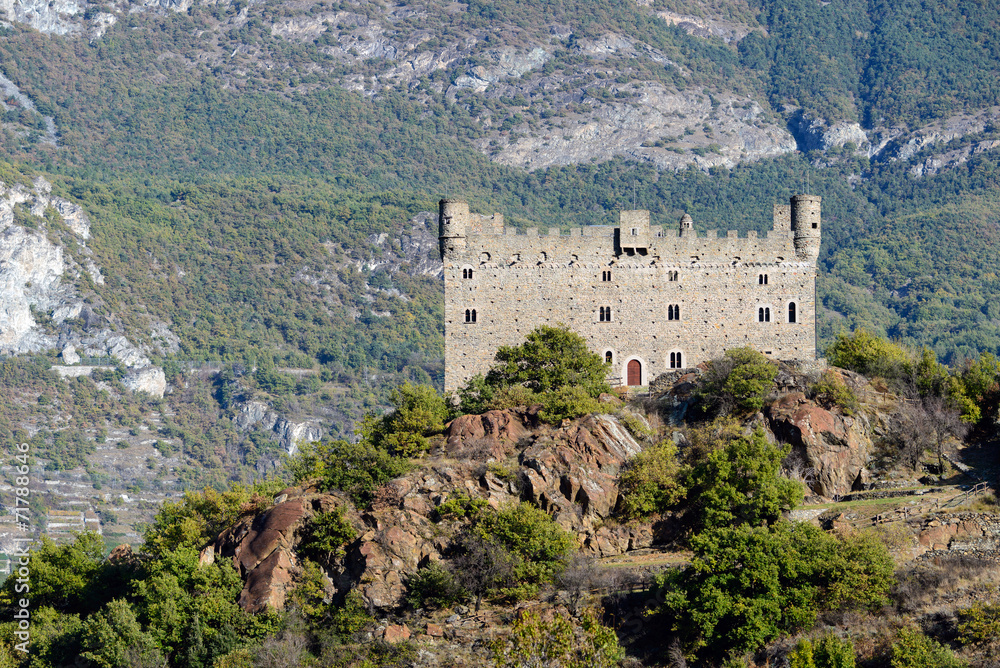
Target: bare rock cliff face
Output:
[
  {"x": 37, "y": 278},
  {"x": 835, "y": 447}
]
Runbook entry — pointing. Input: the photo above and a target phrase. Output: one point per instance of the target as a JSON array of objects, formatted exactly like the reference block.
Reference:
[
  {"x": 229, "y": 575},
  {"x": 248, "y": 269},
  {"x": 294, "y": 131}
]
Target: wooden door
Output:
[{"x": 634, "y": 372}]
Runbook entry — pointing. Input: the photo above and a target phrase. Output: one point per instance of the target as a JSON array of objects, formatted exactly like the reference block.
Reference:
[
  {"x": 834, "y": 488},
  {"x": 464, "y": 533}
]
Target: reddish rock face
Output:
[
  {"x": 495, "y": 432},
  {"x": 836, "y": 447},
  {"x": 261, "y": 547}
]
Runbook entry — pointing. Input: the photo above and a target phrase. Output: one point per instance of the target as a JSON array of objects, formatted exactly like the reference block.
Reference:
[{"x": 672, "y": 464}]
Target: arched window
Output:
[
  {"x": 605, "y": 275},
  {"x": 673, "y": 275},
  {"x": 767, "y": 314},
  {"x": 675, "y": 361},
  {"x": 762, "y": 279},
  {"x": 791, "y": 312},
  {"x": 764, "y": 314},
  {"x": 609, "y": 357},
  {"x": 468, "y": 315},
  {"x": 605, "y": 314},
  {"x": 473, "y": 315},
  {"x": 466, "y": 273},
  {"x": 674, "y": 312}
]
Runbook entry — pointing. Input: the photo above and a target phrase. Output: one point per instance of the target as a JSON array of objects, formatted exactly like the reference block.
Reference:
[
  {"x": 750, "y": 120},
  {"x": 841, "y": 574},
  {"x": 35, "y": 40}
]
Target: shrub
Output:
[
  {"x": 870, "y": 355},
  {"x": 537, "y": 547},
  {"x": 567, "y": 403},
  {"x": 650, "y": 482},
  {"x": 831, "y": 391},
  {"x": 325, "y": 536},
  {"x": 746, "y": 585},
  {"x": 830, "y": 651},
  {"x": 979, "y": 625},
  {"x": 913, "y": 649},
  {"x": 420, "y": 411},
  {"x": 741, "y": 483},
  {"x": 738, "y": 382},
  {"x": 559, "y": 642},
  {"x": 512, "y": 396},
  {"x": 433, "y": 586},
  {"x": 356, "y": 468},
  {"x": 459, "y": 506}
]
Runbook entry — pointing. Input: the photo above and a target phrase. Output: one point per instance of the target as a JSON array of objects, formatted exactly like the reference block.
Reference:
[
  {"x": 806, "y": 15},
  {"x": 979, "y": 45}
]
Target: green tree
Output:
[
  {"x": 356, "y": 468},
  {"x": 651, "y": 481},
  {"x": 419, "y": 412},
  {"x": 746, "y": 585},
  {"x": 741, "y": 483},
  {"x": 64, "y": 577},
  {"x": 550, "y": 359},
  {"x": 738, "y": 382},
  {"x": 113, "y": 638}
]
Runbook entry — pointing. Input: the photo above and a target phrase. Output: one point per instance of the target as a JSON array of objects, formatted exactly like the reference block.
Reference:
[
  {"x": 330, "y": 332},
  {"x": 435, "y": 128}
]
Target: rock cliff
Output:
[{"x": 39, "y": 269}]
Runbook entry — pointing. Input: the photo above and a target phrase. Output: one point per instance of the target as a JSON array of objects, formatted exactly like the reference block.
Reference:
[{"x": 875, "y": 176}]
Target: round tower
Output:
[
  {"x": 452, "y": 221},
  {"x": 806, "y": 225},
  {"x": 687, "y": 223}
]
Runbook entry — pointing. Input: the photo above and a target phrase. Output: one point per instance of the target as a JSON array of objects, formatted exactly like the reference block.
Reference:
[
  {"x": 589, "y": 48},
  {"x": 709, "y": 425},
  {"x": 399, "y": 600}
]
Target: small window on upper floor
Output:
[
  {"x": 606, "y": 275},
  {"x": 635, "y": 231},
  {"x": 470, "y": 315},
  {"x": 815, "y": 226},
  {"x": 763, "y": 314},
  {"x": 604, "y": 314},
  {"x": 674, "y": 312},
  {"x": 792, "y": 312},
  {"x": 762, "y": 279},
  {"x": 673, "y": 275},
  {"x": 466, "y": 273}
]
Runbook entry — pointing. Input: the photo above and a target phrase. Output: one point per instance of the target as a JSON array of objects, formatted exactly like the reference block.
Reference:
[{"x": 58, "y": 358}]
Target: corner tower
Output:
[
  {"x": 452, "y": 223},
  {"x": 806, "y": 226}
]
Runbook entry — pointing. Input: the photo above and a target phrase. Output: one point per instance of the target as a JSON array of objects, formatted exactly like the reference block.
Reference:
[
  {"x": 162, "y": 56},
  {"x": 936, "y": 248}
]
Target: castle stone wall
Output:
[{"x": 637, "y": 291}]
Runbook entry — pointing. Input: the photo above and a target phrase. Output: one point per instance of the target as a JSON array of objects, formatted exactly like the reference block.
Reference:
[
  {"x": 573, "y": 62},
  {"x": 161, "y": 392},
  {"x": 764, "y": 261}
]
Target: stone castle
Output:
[{"x": 647, "y": 299}]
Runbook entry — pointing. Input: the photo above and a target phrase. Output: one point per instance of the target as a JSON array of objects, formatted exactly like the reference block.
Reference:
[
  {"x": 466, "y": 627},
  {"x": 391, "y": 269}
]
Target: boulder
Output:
[
  {"x": 395, "y": 633},
  {"x": 836, "y": 447},
  {"x": 150, "y": 380},
  {"x": 70, "y": 356}
]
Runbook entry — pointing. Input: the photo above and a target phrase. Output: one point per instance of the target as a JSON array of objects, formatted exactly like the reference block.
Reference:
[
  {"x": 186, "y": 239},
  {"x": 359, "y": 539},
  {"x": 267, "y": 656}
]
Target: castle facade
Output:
[{"x": 646, "y": 298}]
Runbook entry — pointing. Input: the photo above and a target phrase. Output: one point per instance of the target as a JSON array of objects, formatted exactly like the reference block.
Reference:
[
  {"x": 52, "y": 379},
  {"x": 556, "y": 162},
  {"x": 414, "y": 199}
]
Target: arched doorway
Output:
[{"x": 634, "y": 372}]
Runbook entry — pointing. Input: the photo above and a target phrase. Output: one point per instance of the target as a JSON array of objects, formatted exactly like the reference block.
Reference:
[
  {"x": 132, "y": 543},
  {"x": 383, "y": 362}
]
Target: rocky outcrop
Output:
[
  {"x": 505, "y": 63},
  {"x": 570, "y": 471},
  {"x": 261, "y": 546},
  {"x": 257, "y": 414},
  {"x": 37, "y": 281},
  {"x": 738, "y": 131},
  {"x": 149, "y": 379},
  {"x": 577, "y": 468},
  {"x": 492, "y": 435},
  {"x": 817, "y": 134},
  {"x": 835, "y": 447}
]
